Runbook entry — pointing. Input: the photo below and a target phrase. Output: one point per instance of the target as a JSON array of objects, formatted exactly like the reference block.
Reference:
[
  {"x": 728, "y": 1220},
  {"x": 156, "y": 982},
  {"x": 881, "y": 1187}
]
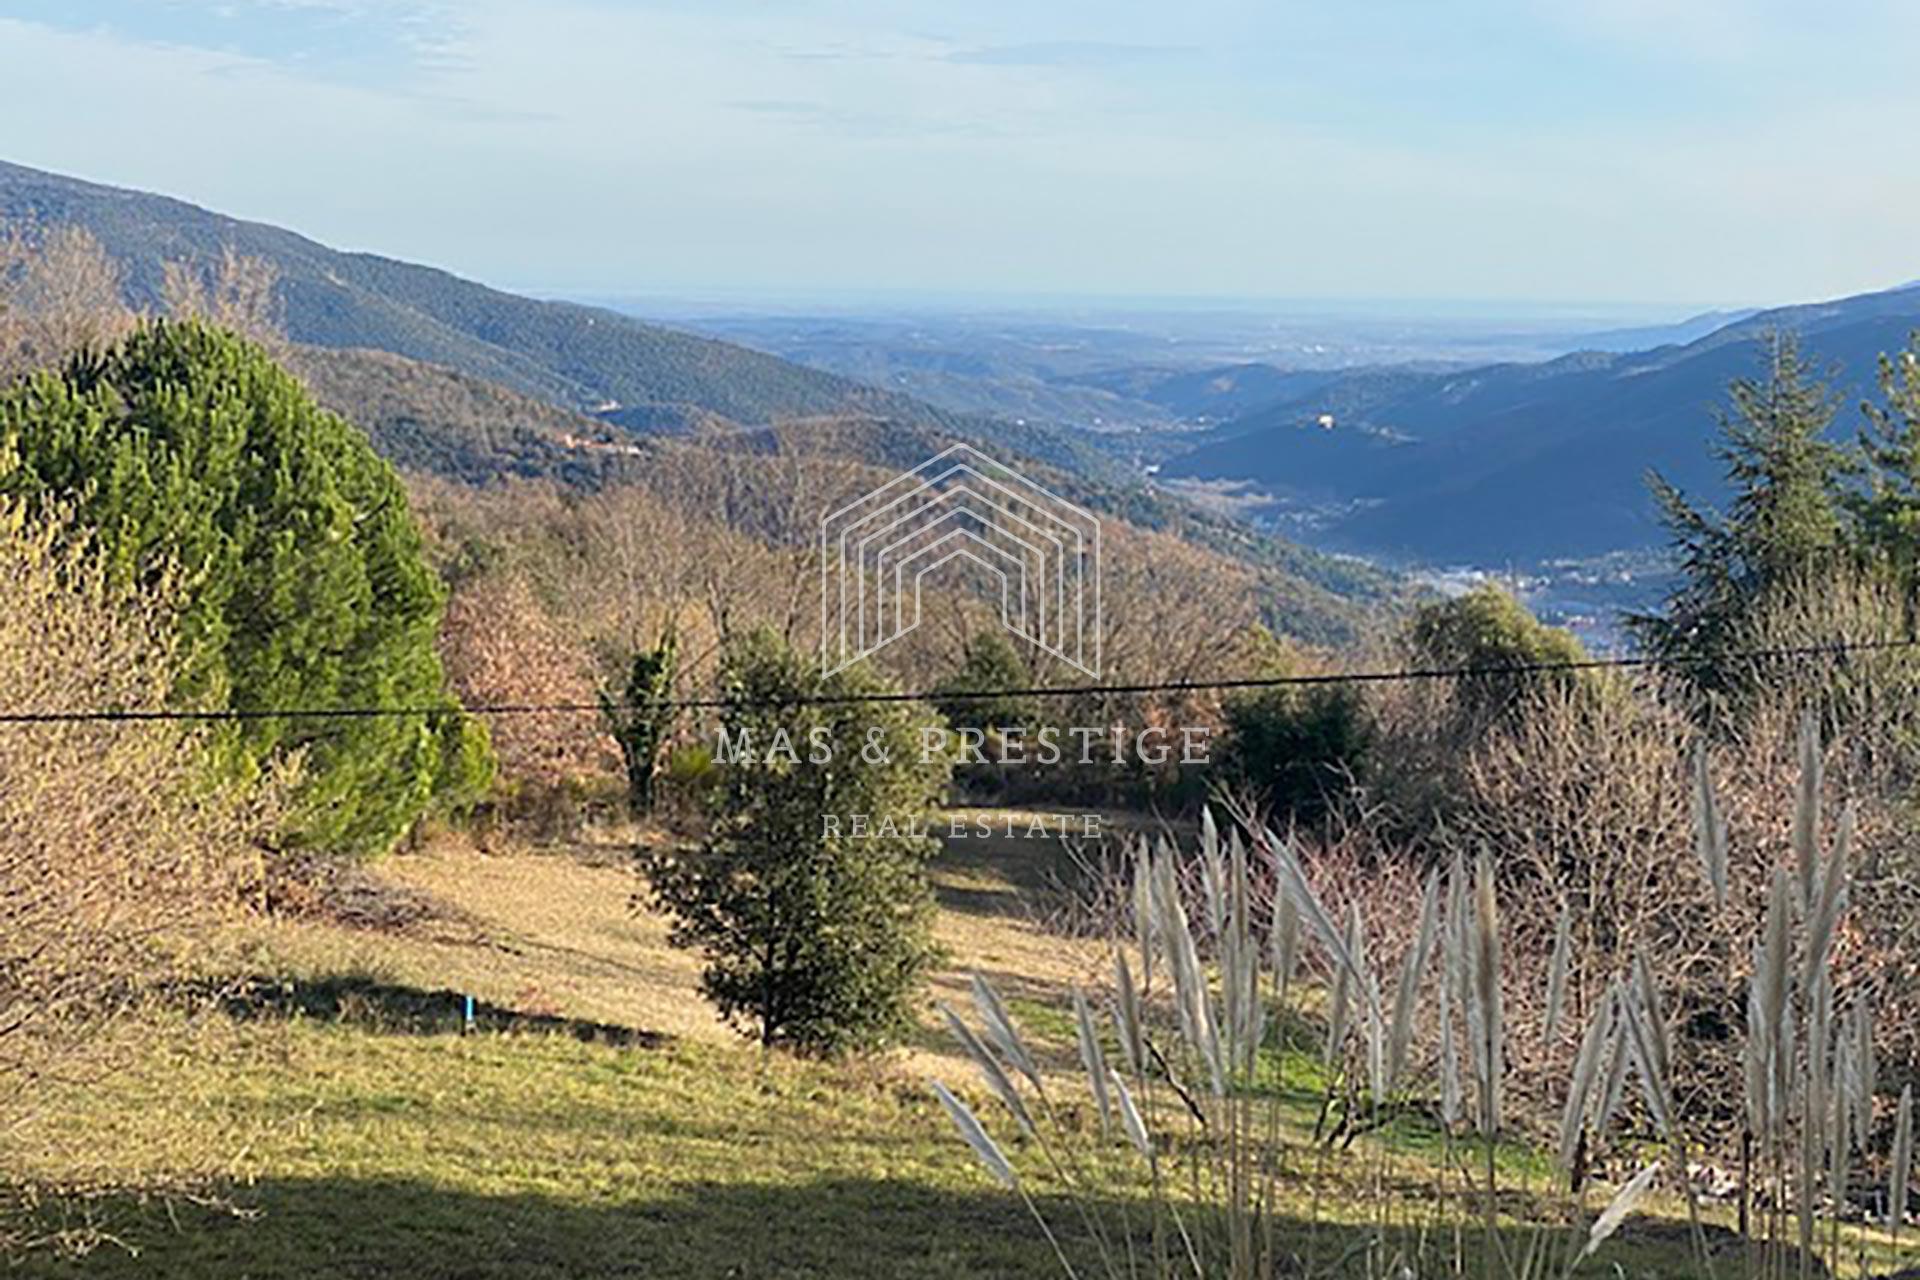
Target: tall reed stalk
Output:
[{"x": 1185, "y": 1068}]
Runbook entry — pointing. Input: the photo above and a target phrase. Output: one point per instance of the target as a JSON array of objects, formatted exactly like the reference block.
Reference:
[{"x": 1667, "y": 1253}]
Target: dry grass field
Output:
[{"x": 597, "y": 1122}]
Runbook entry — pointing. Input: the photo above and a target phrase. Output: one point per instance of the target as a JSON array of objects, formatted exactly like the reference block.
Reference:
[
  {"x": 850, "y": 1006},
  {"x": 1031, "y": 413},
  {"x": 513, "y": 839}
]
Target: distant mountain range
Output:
[
  {"x": 1120, "y": 372},
  {"x": 1501, "y": 464},
  {"x": 1217, "y": 394},
  {"x": 453, "y": 379},
  {"x": 1517, "y": 463},
  {"x": 1646, "y": 337},
  {"x": 637, "y": 375},
  {"x": 559, "y": 352}
]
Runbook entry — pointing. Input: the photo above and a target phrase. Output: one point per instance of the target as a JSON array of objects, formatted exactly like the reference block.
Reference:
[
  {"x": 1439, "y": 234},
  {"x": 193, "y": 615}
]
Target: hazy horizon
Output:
[{"x": 908, "y": 301}]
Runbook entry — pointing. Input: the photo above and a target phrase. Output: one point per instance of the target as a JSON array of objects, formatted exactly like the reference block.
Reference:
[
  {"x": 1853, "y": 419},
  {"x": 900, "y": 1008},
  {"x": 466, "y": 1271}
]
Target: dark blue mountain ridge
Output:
[{"x": 1525, "y": 462}]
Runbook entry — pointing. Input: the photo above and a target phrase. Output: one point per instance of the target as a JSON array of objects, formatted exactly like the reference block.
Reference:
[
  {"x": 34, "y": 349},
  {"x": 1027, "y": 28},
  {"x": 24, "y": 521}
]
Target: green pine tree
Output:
[
  {"x": 1784, "y": 519},
  {"x": 1887, "y": 513},
  {"x": 809, "y": 900},
  {"x": 991, "y": 666},
  {"x": 188, "y": 451}
]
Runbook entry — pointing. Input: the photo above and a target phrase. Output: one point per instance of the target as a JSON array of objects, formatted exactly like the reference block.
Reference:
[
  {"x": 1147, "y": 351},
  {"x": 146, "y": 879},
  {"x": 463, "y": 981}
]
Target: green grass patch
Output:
[
  {"x": 374, "y": 1149},
  {"x": 536, "y": 1155}
]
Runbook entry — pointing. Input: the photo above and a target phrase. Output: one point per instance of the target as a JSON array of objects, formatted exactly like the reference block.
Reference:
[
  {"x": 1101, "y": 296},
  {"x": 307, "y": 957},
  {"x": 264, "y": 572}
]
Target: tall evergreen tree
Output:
[
  {"x": 1887, "y": 512},
  {"x": 186, "y": 450},
  {"x": 1784, "y": 517},
  {"x": 641, "y": 717}
]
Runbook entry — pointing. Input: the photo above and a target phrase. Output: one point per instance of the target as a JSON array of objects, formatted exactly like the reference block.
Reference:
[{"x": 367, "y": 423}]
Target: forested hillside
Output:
[
  {"x": 573, "y": 356},
  {"x": 452, "y": 379},
  {"x": 560, "y": 352},
  {"x": 637, "y": 378},
  {"x": 426, "y": 418},
  {"x": 1548, "y": 459}
]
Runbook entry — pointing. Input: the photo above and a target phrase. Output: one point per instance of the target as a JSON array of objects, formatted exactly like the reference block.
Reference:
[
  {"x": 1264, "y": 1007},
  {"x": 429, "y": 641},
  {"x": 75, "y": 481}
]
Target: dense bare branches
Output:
[
  {"x": 501, "y": 647},
  {"x": 59, "y": 293},
  {"x": 1171, "y": 609},
  {"x": 116, "y": 853},
  {"x": 234, "y": 292}
]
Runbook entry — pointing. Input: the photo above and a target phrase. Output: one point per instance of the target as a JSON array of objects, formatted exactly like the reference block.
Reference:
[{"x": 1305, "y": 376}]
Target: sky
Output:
[{"x": 1712, "y": 152}]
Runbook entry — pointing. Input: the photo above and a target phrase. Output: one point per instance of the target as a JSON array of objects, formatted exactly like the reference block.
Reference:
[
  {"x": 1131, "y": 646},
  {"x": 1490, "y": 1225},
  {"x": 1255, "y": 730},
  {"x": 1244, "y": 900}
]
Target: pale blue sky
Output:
[{"x": 1675, "y": 151}]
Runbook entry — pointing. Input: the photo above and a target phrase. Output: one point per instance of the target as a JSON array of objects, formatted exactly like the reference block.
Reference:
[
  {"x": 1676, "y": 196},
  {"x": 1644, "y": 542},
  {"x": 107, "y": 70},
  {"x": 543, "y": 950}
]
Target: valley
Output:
[
  {"x": 844, "y": 640},
  {"x": 521, "y": 999},
  {"x": 1452, "y": 446},
  {"x": 1443, "y": 444}
]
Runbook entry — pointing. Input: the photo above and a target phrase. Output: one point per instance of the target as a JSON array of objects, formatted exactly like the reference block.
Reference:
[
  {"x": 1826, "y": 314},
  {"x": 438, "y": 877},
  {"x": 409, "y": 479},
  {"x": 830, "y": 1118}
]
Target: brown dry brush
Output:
[
  {"x": 120, "y": 857},
  {"x": 59, "y": 293},
  {"x": 502, "y": 647},
  {"x": 1652, "y": 937},
  {"x": 1592, "y": 803}
]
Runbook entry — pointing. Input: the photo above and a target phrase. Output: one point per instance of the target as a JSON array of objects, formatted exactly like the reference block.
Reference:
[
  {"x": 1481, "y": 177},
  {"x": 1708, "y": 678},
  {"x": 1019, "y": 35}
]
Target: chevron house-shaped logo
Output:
[{"x": 960, "y": 504}]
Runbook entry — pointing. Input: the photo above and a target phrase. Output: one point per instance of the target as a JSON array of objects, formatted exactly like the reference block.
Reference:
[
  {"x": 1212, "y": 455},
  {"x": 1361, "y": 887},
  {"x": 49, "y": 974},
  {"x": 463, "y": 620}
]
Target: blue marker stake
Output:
[{"x": 468, "y": 1030}]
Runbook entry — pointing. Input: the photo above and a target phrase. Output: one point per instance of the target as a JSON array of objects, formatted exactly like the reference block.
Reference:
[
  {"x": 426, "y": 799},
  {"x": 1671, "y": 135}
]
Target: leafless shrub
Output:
[
  {"x": 235, "y": 291},
  {"x": 119, "y": 857},
  {"x": 59, "y": 294}
]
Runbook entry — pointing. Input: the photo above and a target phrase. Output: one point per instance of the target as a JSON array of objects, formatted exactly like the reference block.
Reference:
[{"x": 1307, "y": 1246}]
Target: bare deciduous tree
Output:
[
  {"x": 501, "y": 647},
  {"x": 235, "y": 292},
  {"x": 59, "y": 293}
]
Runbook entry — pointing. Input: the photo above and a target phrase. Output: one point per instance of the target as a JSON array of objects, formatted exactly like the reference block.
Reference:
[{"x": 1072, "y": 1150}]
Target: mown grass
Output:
[
  {"x": 374, "y": 1151},
  {"x": 377, "y": 1152},
  {"x": 569, "y": 1137}
]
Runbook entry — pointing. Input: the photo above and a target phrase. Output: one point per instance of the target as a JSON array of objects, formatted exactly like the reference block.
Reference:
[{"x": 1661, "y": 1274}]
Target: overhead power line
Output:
[{"x": 1790, "y": 653}]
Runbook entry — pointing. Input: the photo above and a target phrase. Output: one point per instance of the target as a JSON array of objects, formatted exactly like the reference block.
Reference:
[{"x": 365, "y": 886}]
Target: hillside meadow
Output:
[
  {"x": 374, "y": 899},
  {"x": 597, "y": 1121}
]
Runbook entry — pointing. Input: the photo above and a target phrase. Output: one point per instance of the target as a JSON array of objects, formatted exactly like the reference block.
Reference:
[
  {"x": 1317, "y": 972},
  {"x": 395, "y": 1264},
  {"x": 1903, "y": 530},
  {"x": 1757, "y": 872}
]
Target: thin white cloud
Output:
[
  {"x": 849, "y": 145},
  {"x": 1097, "y": 54},
  {"x": 365, "y": 41}
]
